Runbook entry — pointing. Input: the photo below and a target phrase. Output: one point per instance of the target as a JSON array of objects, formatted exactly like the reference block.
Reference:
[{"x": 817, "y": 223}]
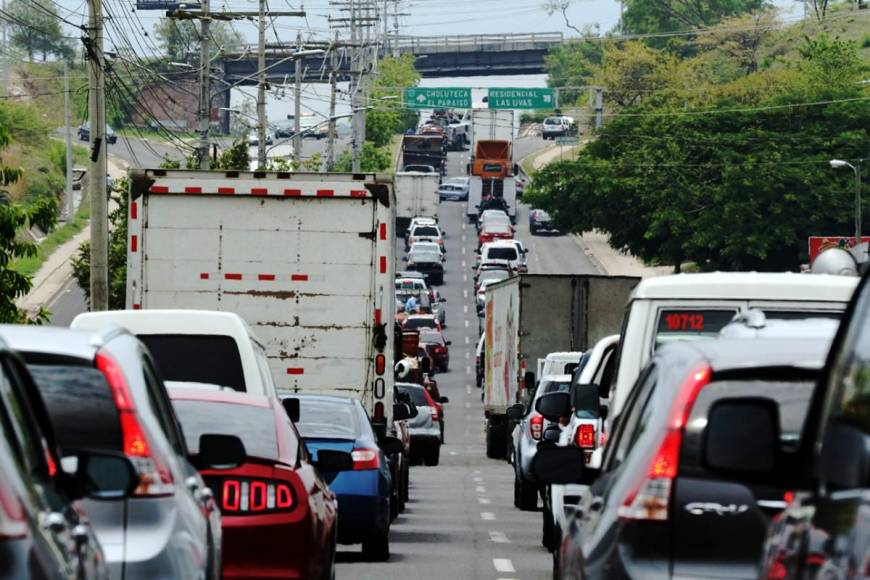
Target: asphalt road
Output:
[{"x": 460, "y": 522}]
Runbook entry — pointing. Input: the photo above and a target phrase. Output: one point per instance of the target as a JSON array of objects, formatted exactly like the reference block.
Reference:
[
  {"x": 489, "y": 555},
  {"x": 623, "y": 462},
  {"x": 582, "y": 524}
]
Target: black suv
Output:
[
  {"x": 44, "y": 532},
  {"x": 825, "y": 531},
  {"x": 690, "y": 479}
]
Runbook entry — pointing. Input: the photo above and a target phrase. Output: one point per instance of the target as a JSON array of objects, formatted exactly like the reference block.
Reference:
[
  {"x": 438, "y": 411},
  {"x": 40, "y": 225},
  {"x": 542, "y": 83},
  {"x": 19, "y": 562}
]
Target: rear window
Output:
[
  {"x": 328, "y": 419},
  {"x": 426, "y": 231},
  {"x": 199, "y": 358},
  {"x": 802, "y": 314},
  {"x": 494, "y": 276},
  {"x": 255, "y": 426},
  {"x": 556, "y": 387},
  {"x": 80, "y": 405},
  {"x": 552, "y": 121},
  {"x": 415, "y": 323},
  {"x": 691, "y": 324},
  {"x": 501, "y": 254},
  {"x": 418, "y": 396}
]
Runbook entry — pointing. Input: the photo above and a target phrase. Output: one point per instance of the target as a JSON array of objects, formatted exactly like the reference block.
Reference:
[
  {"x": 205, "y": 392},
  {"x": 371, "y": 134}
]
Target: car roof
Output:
[
  {"x": 728, "y": 354},
  {"x": 219, "y": 396},
  {"x": 500, "y": 244},
  {"x": 78, "y": 343},
  {"x": 421, "y": 316},
  {"x": 200, "y": 322},
  {"x": 557, "y": 378},
  {"x": 566, "y": 355},
  {"x": 748, "y": 286}
]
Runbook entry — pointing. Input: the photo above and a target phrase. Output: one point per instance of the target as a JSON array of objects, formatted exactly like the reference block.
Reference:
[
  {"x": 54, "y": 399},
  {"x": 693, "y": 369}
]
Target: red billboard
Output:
[{"x": 820, "y": 243}]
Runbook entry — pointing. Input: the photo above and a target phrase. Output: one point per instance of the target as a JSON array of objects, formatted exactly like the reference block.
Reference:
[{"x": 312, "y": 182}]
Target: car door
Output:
[{"x": 55, "y": 520}]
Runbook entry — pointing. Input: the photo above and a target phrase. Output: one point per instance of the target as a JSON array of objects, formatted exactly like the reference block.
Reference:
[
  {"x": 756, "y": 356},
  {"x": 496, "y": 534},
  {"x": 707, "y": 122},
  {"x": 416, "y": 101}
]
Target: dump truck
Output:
[
  {"x": 307, "y": 259},
  {"x": 531, "y": 315},
  {"x": 492, "y": 184},
  {"x": 424, "y": 150},
  {"x": 416, "y": 196}
]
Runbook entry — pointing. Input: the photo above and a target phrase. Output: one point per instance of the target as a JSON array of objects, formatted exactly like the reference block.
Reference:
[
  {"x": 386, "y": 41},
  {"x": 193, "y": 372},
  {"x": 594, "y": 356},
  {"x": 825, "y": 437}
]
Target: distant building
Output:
[{"x": 172, "y": 105}]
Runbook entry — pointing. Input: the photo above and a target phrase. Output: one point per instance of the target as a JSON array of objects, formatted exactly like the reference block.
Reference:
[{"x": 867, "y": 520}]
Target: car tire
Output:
[
  {"x": 433, "y": 457},
  {"x": 443, "y": 367},
  {"x": 525, "y": 494},
  {"x": 377, "y": 547}
]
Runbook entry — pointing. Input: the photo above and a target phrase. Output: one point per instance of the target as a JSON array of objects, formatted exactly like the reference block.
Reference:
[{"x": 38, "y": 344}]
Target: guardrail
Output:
[{"x": 472, "y": 41}]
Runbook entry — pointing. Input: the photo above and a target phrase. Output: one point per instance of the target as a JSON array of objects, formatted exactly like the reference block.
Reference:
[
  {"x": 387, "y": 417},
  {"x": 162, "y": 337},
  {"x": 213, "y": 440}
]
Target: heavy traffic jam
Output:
[{"x": 276, "y": 396}]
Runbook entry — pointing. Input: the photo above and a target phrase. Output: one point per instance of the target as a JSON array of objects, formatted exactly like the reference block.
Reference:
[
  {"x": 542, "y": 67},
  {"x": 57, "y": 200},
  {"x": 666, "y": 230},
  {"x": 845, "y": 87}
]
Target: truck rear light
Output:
[
  {"x": 155, "y": 479},
  {"x": 255, "y": 496},
  {"x": 536, "y": 426},
  {"x": 380, "y": 364},
  {"x": 365, "y": 459},
  {"x": 650, "y": 498},
  {"x": 379, "y": 412},
  {"x": 585, "y": 436}
]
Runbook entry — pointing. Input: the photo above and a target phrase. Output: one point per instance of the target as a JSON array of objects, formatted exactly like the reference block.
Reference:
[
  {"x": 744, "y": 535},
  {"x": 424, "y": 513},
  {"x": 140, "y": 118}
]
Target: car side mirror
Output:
[
  {"x": 219, "y": 452},
  {"x": 331, "y": 461},
  {"x": 516, "y": 412},
  {"x": 742, "y": 436},
  {"x": 448, "y": 342},
  {"x": 560, "y": 465},
  {"x": 529, "y": 381},
  {"x": 401, "y": 412},
  {"x": 100, "y": 475},
  {"x": 391, "y": 445},
  {"x": 554, "y": 406},
  {"x": 291, "y": 407},
  {"x": 444, "y": 400}
]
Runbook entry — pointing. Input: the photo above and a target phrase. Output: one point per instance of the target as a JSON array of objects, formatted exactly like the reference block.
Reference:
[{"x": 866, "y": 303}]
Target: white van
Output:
[
  {"x": 698, "y": 306},
  {"x": 505, "y": 250},
  {"x": 195, "y": 346}
]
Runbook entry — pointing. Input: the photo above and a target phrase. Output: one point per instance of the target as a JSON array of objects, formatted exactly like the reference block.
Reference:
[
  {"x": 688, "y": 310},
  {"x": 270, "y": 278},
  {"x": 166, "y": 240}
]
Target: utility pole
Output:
[
  {"x": 599, "y": 107},
  {"x": 333, "y": 78},
  {"x": 70, "y": 200},
  {"x": 261, "y": 88},
  {"x": 204, "y": 112},
  {"x": 99, "y": 198},
  {"x": 5, "y": 55},
  {"x": 297, "y": 106}
]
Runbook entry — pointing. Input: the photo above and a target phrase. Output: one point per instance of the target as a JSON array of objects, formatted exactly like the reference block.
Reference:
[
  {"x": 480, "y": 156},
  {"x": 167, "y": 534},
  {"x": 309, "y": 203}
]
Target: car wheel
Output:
[
  {"x": 377, "y": 547},
  {"x": 433, "y": 457},
  {"x": 525, "y": 494}
]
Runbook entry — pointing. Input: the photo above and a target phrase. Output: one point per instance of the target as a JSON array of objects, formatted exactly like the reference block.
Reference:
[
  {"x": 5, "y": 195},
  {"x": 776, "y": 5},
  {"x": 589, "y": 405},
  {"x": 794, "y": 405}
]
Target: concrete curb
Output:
[{"x": 578, "y": 239}]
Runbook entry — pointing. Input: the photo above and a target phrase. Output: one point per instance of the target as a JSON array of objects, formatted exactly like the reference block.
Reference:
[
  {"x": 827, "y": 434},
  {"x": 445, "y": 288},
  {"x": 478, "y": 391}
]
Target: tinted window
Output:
[
  {"x": 501, "y": 254},
  {"x": 627, "y": 426},
  {"x": 255, "y": 426},
  {"x": 801, "y": 314},
  {"x": 328, "y": 419},
  {"x": 415, "y": 323},
  {"x": 197, "y": 358},
  {"x": 556, "y": 387},
  {"x": 418, "y": 396},
  {"x": 80, "y": 405},
  {"x": 851, "y": 374},
  {"x": 426, "y": 231},
  {"x": 690, "y": 324}
]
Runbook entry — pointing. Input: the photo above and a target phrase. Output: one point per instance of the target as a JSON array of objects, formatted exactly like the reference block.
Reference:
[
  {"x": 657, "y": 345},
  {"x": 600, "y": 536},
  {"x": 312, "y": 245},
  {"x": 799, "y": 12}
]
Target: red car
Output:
[
  {"x": 493, "y": 232},
  {"x": 278, "y": 515},
  {"x": 437, "y": 348}
]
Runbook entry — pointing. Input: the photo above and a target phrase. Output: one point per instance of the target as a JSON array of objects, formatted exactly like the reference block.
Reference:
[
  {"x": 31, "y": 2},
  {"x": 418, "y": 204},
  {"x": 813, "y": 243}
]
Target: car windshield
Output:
[
  {"x": 255, "y": 426},
  {"x": 501, "y": 254},
  {"x": 328, "y": 419},
  {"x": 417, "y": 394},
  {"x": 555, "y": 387}
]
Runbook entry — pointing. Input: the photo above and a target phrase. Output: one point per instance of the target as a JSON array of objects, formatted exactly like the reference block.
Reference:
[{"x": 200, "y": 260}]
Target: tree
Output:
[
  {"x": 740, "y": 38},
  {"x": 652, "y": 16},
  {"x": 180, "y": 38},
  {"x": 632, "y": 70},
  {"x": 388, "y": 116},
  {"x": 571, "y": 64},
  {"x": 36, "y": 30},
  {"x": 373, "y": 159},
  {"x": 554, "y": 6},
  {"x": 15, "y": 218}
]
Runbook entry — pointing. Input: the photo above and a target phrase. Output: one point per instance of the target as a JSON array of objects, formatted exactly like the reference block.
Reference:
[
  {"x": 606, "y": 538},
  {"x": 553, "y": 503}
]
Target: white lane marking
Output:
[
  {"x": 452, "y": 453},
  {"x": 498, "y": 538},
  {"x": 467, "y": 324},
  {"x": 467, "y": 340},
  {"x": 478, "y": 479},
  {"x": 488, "y": 516},
  {"x": 465, "y": 277},
  {"x": 503, "y": 565},
  {"x": 467, "y": 354},
  {"x": 483, "y": 500},
  {"x": 480, "y": 489},
  {"x": 467, "y": 389},
  {"x": 464, "y": 264},
  {"x": 468, "y": 403},
  {"x": 467, "y": 370},
  {"x": 476, "y": 472},
  {"x": 465, "y": 311},
  {"x": 463, "y": 225},
  {"x": 463, "y": 250},
  {"x": 465, "y": 292}
]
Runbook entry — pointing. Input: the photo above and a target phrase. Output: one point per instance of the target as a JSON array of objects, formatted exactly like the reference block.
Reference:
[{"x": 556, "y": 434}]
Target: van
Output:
[
  {"x": 195, "y": 346},
  {"x": 697, "y": 306}
]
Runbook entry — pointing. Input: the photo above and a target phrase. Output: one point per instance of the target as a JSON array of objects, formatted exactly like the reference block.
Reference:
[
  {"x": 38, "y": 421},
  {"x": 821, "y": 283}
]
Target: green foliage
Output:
[
  {"x": 81, "y": 263},
  {"x": 652, "y": 16},
  {"x": 236, "y": 157},
  {"x": 373, "y": 159},
  {"x": 13, "y": 219},
  {"x": 180, "y": 38},
  {"x": 313, "y": 163},
  {"x": 571, "y": 64},
  {"x": 30, "y": 265},
  {"x": 36, "y": 30},
  {"x": 388, "y": 117},
  {"x": 739, "y": 189}
]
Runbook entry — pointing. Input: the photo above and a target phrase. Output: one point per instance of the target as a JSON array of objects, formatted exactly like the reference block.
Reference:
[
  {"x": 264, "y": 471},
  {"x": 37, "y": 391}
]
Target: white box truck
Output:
[
  {"x": 493, "y": 124},
  {"x": 528, "y": 317},
  {"x": 306, "y": 259},
  {"x": 416, "y": 196}
]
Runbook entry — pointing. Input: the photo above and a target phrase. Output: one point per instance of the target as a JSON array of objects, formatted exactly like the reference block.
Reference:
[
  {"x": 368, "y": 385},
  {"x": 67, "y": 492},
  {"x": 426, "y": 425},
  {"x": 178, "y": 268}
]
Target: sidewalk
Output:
[{"x": 52, "y": 277}]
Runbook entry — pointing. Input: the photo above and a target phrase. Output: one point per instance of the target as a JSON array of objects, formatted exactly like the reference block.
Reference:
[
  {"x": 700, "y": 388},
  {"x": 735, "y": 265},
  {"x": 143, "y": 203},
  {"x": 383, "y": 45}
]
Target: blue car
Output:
[{"x": 341, "y": 423}]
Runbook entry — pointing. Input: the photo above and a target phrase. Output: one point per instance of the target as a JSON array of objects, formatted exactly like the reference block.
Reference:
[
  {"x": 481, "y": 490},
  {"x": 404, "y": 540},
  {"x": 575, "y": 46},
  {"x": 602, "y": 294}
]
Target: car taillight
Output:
[
  {"x": 536, "y": 426},
  {"x": 365, "y": 459},
  {"x": 255, "y": 496},
  {"x": 155, "y": 478},
  {"x": 650, "y": 498},
  {"x": 13, "y": 521},
  {"x": 440, "y": 349},
  {"x": 585, "y": 435},
  {"x": 435, "y": 415}
]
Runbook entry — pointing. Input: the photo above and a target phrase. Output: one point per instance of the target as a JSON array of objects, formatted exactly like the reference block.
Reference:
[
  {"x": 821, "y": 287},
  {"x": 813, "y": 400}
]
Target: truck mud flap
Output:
[{"x": 496, "y": 437}]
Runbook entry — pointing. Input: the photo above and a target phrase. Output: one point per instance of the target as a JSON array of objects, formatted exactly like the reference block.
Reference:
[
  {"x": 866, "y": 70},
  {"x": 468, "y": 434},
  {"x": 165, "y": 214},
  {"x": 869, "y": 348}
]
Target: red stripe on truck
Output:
[
  {"x": 266, "y": 277},
  {"x": 299, "y": 277},
  {"x": 228, "y": 190},
  {"x": 377, "y": 315},
  {"x": 383, "y": 264},
  {"x": 134, "y": 210},
  {"x": 203, "y": 276},
  {"x": 295, "y": 371},
  {"x": 232, "y": 276},
  {"x": 325, "y": 192},
  {"x": 159, "y": 189},
  {"x": 191, "y": 189},
  {"x": 137, "y": 307},
  {"x": 358, "y": 193},
  {"x": 293, "y": 192},
  {"x": 259, "y": 191},
  {"x": 134, "y": 243}
]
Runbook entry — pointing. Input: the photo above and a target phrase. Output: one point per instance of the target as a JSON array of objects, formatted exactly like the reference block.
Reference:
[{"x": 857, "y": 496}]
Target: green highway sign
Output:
[
  {"x": 522, "y": 98},
  {"x": 438, "y": 98}
]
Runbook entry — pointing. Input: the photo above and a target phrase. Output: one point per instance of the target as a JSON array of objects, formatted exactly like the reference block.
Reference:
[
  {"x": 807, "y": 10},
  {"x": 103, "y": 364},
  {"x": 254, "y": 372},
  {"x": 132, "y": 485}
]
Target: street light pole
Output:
[{"x": 836, "y": 164}]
